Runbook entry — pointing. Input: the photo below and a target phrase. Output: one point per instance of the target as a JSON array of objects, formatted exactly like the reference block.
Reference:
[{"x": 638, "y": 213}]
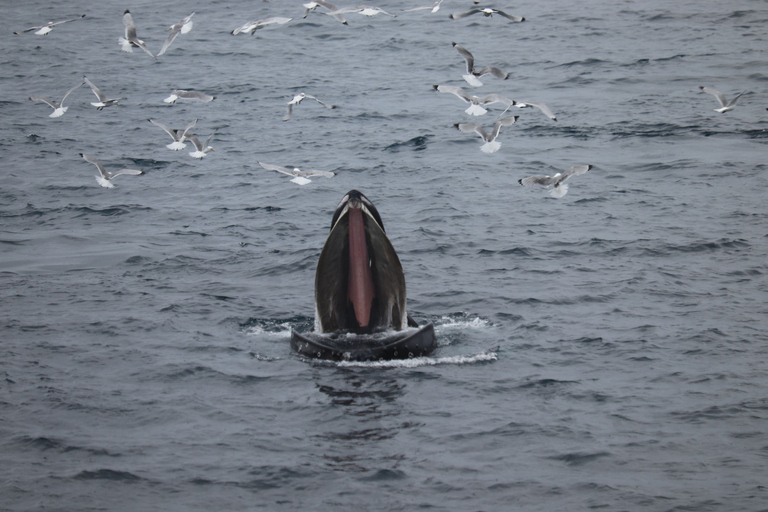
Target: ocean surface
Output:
[{"x": 605, "y": 350}]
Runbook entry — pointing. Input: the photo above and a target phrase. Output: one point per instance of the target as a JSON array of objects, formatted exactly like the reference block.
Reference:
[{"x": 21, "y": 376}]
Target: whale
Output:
[{"x": 360, "y": 293}]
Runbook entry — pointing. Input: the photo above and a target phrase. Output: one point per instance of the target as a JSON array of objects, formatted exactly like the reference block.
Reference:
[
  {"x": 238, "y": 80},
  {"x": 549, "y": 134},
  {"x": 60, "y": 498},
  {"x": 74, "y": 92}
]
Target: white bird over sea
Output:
[
  {"x": 42, "y": 30},
  {"x": 365, "y": 10},
  {"x": 182, "y": 27},
  {"x": 311, "y": 6},
  {"x": 253, "y": 26},
  {"x": 725, "y": 105},
  {"x": 104, "y": 178},
  {"x": 178, "y": 136},
  {"x": 131, "y": 40},
  {"x": 556, "y": 182},
  {"x": 201, "y": 149},
  {"x": 188, "y": 95},
  {"x": 476, "y": 103},
  {"x": 298, "y": 99},
  {"x": 58, "y": 107},
  {"x": 487, "y": 12},
  {"x": 103, "y": 100},
  {"x": 435, "y": 7},
  {"x": 472, "y": 74},
  {"x": 544, "y": 109},
  {"x": 299, "y": 176},
  {"x": 491, "y": 145}
]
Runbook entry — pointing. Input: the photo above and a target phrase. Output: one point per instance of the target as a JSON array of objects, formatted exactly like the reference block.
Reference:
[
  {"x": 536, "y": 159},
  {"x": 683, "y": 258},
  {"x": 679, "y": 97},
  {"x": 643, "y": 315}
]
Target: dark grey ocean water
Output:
[{"x": 606, "y": 350}]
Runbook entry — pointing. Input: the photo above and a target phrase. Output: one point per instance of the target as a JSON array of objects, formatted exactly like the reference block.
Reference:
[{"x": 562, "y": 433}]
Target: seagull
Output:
[
  {"x": 476, "y": 103},
  {"x": 435, "y": 7},
  {"x": 472, "y": 74},
  {"x": 58, "y": 107},
  {"x": 557, "y": 181},
  {"x": 178, "y": 136},
  {"x": 131, "y": 39},
  {"x": 299, "y": 176},
  {"x": 725, "y": 105},
  {"x": 182, "y": 27},
  {"x": 202, "y": 149},
  {"x": 311, "y": 6},
  {"x": 42, "y": 30},
  {"x": 298, "y": 99},
  {"x": 253, "y": 26},
  {"x": 365, "y": 10},
  {"x": 188, "y": 95},
  {"x": 544, "y": 109},
  {"x": 487, "y": 12},
  {"x": 103, "y": 100},
  {"x": 105, "y": 177},
  {"x": 491, "y": 145}
]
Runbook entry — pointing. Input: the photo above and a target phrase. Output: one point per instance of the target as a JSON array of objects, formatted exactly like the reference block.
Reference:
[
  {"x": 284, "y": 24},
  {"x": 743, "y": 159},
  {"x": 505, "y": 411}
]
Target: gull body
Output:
[
  {"x": 365, "y": 10},
  {"x": 178, "y": 136},
  {"x": 188, "y": 95},
  {"x": 182, "y": 27},
  {"x": 253, "y": 26},
  {"x": 476, "y": 103},
  {"x": 472, "y": 75},
  {"x": 311, "y": 6},
  {"x": 201, "y": 150},
  {"x": 299, "y": 176},
  {"x": 531, "y": 104},
  {"x": 487, "y": 12},
  {"x": 298, "y": 99},
  {"x": 491, "y": 144},
  {"x": 103, "y": 100},
  {"x": 725, "y": 104},
  {"x": 131, "y": 40},
  {"x": 104, "y": 178},
  {"x": 43, "y": 30},
  {"x": 58, "y": 107},
  {"x": 434, "y": 7},
  {"x": 556, "y": 182}
]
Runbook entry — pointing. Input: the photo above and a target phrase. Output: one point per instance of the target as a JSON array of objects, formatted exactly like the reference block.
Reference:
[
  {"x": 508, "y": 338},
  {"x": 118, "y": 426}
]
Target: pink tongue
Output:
[{"x": 360, "y": 290}]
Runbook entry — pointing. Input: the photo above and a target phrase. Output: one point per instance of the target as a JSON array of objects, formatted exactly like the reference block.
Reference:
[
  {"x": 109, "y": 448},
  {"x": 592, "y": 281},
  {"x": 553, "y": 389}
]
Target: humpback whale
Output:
[{"x": 360, "y": 293}]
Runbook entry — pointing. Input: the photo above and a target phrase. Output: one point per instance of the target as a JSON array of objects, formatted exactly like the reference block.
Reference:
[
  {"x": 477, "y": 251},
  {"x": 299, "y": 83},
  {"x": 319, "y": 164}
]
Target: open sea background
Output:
[{"x": 607, "y": 350}]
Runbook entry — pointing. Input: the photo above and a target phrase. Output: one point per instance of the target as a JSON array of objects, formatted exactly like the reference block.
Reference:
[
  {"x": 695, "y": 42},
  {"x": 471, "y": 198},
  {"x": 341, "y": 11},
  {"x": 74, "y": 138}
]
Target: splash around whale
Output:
[{"x": 360, "y": 296}]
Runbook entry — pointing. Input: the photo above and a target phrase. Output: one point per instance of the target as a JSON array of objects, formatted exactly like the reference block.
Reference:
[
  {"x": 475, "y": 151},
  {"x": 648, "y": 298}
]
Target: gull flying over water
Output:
[
  {"x": 491, "y": 145},
  {"x": 131, "y": 40},
  {"x": 556, "y": 182},
  {"x": 365, "y": 10},
  {"x": 298, "y": 99},
  {"x": 58, "y": 107},
  {"x": 299, "y": 176},
  {"x": 182, "y": 27},
  {"x": 42, "y": 30},
  {"x": 188, "y": 95},
  {"x": 544, "y": 109},
  {"x": 103, "y": 100},
  {"x": 472, "y": 76},
  {"x": 311, "y": 6},
  {"x": 201, "y": 149},
  {"x": 725, "y": 105},
  {"x": 487, "y": 12},
  {"x": 435, "y": 7},
  {"x": 178, "y": 136},
  {"x": 104, "y": 178},
  {"x": 253, "y": 26},
  {"x": 476, "y": 103}
]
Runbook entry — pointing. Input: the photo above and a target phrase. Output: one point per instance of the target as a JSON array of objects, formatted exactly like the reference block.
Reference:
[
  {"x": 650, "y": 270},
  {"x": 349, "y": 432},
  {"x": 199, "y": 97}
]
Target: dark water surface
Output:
[{"x": 603, "y": 350}]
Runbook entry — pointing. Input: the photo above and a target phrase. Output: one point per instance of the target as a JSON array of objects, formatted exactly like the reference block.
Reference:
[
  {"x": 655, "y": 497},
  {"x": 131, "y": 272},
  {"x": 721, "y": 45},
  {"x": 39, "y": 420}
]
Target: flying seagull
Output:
[
  {"x": 725, "y": 105},
  {"x": 435, "y": 7},
  {"x": 298, "y": 99},
  {"x": 556, "y": 182},
  {"x": 365, "y": 10},
  {"x": 104, "y": 178},
  {"x": 491, "y": 145},
  {"x": 476, "y": 103},
  {"x": 178, "y": 136},
  {"x": 58, "y": 107},
  {"x": 201, "y": 149},
  {"x": 544, "y": 109},
  {"x": 487, "y": 12},
  {"x": 103, "y": 100},
  {"x": 188, "y": 95},
  {"x": 253, "y": 26},
  {"x": 182, "y": 27},
  {"x": 42, "y": 30},
  {"x": 472, "y": 76},
  {"x": 299, "y": 176},
  {"x": 131, "y": 40},
  {"x": 311, "y": 6}
]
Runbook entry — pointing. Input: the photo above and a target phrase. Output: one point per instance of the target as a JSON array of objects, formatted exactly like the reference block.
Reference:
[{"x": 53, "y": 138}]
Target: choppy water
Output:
[{"x": 604, "y": 350}]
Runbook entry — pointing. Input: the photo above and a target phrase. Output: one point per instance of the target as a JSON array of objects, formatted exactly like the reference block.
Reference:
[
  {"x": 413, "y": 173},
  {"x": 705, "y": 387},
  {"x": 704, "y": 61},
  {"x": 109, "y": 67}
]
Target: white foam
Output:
[
  {"x": 261, "y": 330},
  {"x": 447, "y": 323},
  {"x": 423, "y": 361}
]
